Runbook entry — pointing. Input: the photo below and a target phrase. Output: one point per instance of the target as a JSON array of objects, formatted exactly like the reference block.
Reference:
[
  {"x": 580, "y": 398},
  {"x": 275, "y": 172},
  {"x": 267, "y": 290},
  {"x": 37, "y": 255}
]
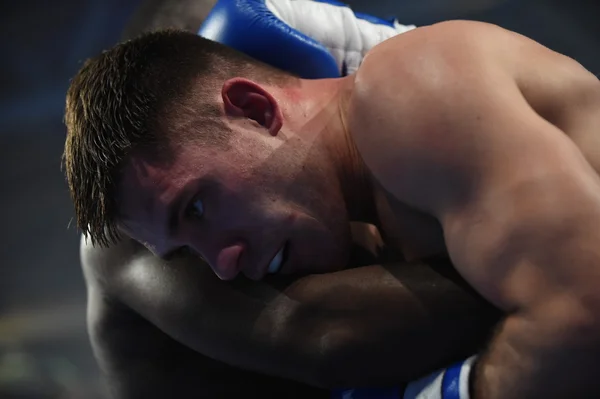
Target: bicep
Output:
[{"x": 528, "y": 211}]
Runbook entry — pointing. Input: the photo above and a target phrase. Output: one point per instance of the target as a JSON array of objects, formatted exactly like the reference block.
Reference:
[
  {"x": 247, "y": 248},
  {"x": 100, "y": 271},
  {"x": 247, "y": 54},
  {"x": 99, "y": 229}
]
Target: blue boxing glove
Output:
[
  {"x": 313, "y": 39},
  {"x": 450, "y": 383}
]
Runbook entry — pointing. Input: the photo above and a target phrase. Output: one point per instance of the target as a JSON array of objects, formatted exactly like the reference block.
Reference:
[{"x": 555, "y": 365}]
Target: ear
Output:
[{"x": 244, "y": 98}]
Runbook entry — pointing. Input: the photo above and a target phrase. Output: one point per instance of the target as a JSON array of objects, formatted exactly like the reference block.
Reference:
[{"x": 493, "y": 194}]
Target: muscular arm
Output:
[
  {"x": 519, "y": 205},
  {"x": 140, "y": 361},
  {"x": 361, "y": 326},
  {"x": 331, "y": 324}
]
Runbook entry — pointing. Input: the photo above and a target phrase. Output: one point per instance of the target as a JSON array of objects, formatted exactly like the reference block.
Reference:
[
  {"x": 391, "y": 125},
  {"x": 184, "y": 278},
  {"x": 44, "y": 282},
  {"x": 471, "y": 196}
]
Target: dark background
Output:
[{"x": 44, "y": 350}]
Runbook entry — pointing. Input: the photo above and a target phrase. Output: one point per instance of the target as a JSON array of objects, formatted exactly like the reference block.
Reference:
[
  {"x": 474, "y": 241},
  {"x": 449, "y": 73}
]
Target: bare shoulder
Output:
[
  {"x": 430, "y": 56},
  {"x": 101, "y": 265},
  {"x": 419, "y": 72},
  {"x": 407, "y": 93},
  {"x": 419, "y": 94},
  {"x": 455, "y": 54}
]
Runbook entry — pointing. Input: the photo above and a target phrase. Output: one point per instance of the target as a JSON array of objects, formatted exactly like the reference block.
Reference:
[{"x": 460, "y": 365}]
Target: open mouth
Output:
[{"x": 279, "y": 259}]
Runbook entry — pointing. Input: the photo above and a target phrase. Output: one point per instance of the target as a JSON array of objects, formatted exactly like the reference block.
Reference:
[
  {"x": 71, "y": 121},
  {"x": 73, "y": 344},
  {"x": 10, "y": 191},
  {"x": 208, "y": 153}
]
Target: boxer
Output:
[
  {"x": 93, "y": 275},
  {"x": 443, "y": 319},
  {"x": 499, "y": 172}
]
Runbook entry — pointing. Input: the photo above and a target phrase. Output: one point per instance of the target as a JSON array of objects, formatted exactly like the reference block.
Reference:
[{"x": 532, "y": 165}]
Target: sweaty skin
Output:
[
  {"x": 161, "y": 328},
  {"x": 498, "y": 140},
  {"x": 136, "y": 329},
  {"x": 459, "y": 139}
]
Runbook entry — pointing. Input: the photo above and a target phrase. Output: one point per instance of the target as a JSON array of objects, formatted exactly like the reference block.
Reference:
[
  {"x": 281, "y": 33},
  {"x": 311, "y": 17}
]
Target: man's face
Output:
[{"x": 267, "y": 204}]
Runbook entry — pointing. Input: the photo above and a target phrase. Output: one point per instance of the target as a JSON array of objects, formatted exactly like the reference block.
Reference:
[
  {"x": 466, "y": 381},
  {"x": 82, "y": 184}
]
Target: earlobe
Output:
[{"x": 244, "y": 98}]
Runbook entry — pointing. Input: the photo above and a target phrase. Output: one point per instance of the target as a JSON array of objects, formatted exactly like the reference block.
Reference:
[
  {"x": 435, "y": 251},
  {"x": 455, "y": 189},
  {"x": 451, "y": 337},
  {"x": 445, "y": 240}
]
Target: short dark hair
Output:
[{"x": 127, "y": 98}]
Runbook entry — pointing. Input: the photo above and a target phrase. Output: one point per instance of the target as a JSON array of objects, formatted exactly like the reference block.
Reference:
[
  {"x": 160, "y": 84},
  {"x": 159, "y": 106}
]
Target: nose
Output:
[{"x": 227, "y": 264}]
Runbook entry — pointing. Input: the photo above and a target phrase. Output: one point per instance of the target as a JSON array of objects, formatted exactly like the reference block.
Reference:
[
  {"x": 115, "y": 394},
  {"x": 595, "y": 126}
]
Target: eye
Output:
[{"x": 197, "y": 209}]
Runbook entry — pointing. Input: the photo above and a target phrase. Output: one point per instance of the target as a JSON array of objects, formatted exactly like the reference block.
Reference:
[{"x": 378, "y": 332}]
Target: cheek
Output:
[{"x": 245, "y": 204}]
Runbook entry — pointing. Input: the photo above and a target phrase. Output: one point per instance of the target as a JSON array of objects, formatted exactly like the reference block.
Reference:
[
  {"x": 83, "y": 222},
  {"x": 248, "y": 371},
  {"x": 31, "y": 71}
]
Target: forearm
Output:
[
  {"x": 550, "y": 353},
  {"x": 403, "y": 321}
]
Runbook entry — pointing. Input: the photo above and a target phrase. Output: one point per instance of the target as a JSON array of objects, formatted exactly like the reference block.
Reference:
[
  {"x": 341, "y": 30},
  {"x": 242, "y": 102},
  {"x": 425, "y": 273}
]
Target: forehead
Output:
[
  {"x": 145, "y": 177},
  {"x": 142, "y": 175},
  {"x": 148, "y": 183},
  {"x": 143, "y": 186}
]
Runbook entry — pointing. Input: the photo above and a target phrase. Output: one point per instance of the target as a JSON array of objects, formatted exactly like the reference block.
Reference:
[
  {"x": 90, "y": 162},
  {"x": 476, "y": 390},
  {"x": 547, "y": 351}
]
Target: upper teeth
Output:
[{"x": 275, "y": 264}]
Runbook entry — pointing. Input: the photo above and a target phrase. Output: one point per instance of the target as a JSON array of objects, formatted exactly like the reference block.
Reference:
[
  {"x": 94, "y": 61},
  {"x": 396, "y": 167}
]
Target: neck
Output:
[
  {"x": 355, "y": 182},
  {"x": 317, "y": 110}
]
